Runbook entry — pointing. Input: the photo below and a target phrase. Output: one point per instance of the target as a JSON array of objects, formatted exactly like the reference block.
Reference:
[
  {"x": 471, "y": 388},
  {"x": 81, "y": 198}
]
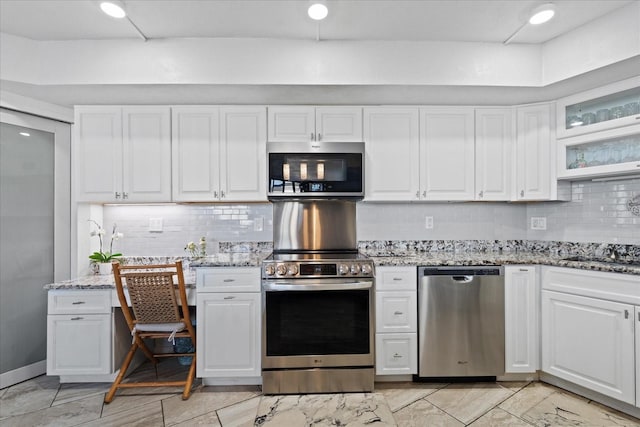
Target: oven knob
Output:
[
  {"x": 343, "y": 269},
  {"x": 270, "y": 269},
  {"x": 281, "y": 269},
  {"x": 366, "y": 269},
  {"x": 293, "y": 270},
  {"x": 355, "y": 269}
]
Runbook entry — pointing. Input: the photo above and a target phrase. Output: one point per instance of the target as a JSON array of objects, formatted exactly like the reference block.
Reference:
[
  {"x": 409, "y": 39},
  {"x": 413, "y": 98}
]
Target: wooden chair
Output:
[{"x": 154, "y": 313}]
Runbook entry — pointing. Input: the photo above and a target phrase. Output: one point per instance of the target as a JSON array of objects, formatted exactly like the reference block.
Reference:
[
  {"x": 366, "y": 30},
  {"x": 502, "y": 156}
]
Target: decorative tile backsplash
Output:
[{"x": 597, "y": 213}]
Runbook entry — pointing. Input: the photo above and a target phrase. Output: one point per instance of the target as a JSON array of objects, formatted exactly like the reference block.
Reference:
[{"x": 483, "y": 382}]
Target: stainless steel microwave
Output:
[{"x": 315, "y": 170}]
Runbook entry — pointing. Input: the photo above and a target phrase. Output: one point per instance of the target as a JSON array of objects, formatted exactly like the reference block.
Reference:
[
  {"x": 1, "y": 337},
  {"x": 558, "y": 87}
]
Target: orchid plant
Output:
[
  {"x": 197, "y": 250},
  {"x": 102, "y": 256}
]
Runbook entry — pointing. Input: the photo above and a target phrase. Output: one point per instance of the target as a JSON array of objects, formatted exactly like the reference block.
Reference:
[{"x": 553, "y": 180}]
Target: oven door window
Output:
[{"x": 317, "y": 322}]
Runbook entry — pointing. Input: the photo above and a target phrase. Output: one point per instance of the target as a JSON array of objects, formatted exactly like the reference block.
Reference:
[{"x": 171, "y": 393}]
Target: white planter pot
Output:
[{"x": 105, "y": 268}]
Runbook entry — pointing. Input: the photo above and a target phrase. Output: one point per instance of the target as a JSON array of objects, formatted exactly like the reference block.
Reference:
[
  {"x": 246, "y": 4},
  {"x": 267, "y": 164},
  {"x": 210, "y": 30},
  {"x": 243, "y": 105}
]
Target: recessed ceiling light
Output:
[
  {"x": 318, "y": 10},
  {"x": 542, "y": 14},
  {"x": 114, "y": 9},
  {"x": 25, "y": 134}
]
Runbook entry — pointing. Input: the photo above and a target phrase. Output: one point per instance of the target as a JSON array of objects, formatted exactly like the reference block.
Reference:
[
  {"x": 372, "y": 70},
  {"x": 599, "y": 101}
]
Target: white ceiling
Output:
[{"x": 433, "y": 20}]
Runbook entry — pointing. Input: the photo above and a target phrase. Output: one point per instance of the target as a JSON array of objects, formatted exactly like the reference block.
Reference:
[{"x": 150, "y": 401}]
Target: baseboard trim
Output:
[
  {"x": 22, "y": 374},
  {"x": 232, "y": 381}
]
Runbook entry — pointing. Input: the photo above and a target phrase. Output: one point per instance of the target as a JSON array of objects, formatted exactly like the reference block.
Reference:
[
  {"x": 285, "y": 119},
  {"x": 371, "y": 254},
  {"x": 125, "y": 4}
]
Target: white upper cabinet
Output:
[
  {"x": 243, "y": 153},
  {"x": 122, "y": 154},
  {"x": 195, "y": 153},
  {"x": 219, "y": 153},
  {"x": 447, "y": 153},
  {"x": 320, "y": 124},
  {"x": 607, "y": 107},
  {"x": 495, "y": 141},
  {"x": 535, "y": 154},
  {"x": 392, "y": 149}
]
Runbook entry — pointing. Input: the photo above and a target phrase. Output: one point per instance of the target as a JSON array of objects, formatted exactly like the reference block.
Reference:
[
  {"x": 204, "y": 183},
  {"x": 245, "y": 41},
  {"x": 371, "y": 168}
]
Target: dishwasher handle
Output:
[{"x": 462, "y": 279}]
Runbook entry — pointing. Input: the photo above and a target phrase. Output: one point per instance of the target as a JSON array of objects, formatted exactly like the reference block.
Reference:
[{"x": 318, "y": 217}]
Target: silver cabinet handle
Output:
[
  {"x": 313, "y": 137},
  {"x": 639, "y": 316},
  {"x": 78, "y": 302},
  {"x": 397, "y": 356},
  {"x": 521, "y": 193},
  {"x": 125, "y": 195},
  {"x": 229, "y": 280},
  {"x": 77, "y": 318},
  {"x": 229, "y": 297},
  {"x": 480, "y": 194},
  {"x": 424, "y": 194},
  {"x": 319, "y": 137},
  {"x": 523, "y": 269},
  {"x": 222, "y": 195},
  {"x": 397, "y": 313},
  {"x": 215, "y": 194},
  {"x": 417, "y": 194},
  {"x": 626, "y": 314},
  {"x": 117, "y": 195},
  {"x": 397, "y": 279}
]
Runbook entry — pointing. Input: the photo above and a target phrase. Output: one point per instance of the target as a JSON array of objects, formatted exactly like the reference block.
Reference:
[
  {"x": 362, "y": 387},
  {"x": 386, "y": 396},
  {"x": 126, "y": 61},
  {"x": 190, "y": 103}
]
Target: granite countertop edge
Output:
[{"x": 388, "y": 260}]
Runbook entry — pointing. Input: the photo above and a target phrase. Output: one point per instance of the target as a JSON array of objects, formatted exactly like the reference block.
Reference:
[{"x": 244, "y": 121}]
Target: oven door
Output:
[{"x": 317, "y": 323}]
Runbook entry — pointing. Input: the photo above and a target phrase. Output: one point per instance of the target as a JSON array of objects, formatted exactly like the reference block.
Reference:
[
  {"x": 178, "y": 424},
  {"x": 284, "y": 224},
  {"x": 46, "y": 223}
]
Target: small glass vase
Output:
[{"x": 105, "y": 268}]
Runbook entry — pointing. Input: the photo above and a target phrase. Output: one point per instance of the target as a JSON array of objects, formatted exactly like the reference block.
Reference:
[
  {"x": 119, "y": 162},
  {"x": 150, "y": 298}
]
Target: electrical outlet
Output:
[
  {"x": 155, "y": 225},
  {"x": 428, "y": 222},
  {"x": 538, "y": 222}
]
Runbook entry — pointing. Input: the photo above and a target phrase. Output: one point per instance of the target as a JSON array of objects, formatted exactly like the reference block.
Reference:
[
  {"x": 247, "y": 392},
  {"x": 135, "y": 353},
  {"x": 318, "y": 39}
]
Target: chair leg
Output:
[
  {"x": 192, "y": 373},
  {"x": 145, "y": 349},
  {"x": 123, "y": 370}
]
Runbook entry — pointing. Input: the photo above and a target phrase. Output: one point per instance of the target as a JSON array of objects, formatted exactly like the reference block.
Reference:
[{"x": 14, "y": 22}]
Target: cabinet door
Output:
[
  {"x": 396, "y": 311},
  {"x": 228, "y": 335},
  {"x": 78, "y": 344},
  {"x": 447, "y": 153},
  {"x": 146, "y": 154},
  {"x": 291, "y": 124},
  {"x": 637, "y": 329},
  {"x": 195, "y": 146},
  {"x": 396, "y": 354},
  {"x": 339, "y": 124},
  {"x": 521, "y": 307},
  {"x": 589, "y": 342},
  {"x": 97, "y": 153},
  {"x": 494, "y": 149},
  {"x": 533, "y": 153},
  {"x": 243, "y": 154},
  {"x": 392, "y": 153}
]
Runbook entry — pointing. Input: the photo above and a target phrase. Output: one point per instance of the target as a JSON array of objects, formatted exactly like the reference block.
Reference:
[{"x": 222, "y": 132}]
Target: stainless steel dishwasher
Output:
[{"x": 461, "y": 321}]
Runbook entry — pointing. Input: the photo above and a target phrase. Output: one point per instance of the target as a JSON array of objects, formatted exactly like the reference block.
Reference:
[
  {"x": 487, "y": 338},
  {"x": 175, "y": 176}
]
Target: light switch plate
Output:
[
  {"x": 428, "y": 222},
  {"x": 155, "y": 225},
  {"x": 538, "y": 222}
]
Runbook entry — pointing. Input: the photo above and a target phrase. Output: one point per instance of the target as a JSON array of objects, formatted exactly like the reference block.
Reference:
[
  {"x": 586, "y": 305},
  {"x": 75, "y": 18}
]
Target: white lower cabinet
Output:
[
  {"x": 589, "y": 330},
  {"x": 228, "y": 324},
  {"x": 521, "y": 319},
  {"x": 79, "y": 325},
  {"x": 396, "y": 321}
]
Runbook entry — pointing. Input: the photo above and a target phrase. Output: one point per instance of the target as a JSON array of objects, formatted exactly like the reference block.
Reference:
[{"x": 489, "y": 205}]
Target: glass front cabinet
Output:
[{"x": 599, "y": 132}]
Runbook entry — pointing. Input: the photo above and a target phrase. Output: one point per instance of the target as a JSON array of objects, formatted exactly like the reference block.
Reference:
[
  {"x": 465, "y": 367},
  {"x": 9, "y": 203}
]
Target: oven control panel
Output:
[{"x": 310, "y": 269}]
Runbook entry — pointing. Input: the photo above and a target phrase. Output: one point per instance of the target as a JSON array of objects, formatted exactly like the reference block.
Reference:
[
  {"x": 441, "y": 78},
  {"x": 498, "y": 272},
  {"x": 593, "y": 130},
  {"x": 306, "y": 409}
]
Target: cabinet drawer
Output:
[
  {"x": 79, "y": 301},
  {"x": 396, "y": 311},
  {"x": 396, "y": 354},
  {"x": 396, "y": 278},
  {"x": 228, "y": 279}
]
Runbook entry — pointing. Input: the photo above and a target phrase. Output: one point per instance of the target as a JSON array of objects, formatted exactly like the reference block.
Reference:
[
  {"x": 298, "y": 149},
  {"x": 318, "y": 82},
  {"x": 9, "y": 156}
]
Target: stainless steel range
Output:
[
  {"x": 317, "y": 333},
  {"x": 317, "y": 301}
]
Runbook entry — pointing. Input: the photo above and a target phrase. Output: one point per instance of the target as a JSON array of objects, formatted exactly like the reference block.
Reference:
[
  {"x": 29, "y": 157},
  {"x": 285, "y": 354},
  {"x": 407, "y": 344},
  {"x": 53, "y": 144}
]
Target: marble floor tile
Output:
[
  {"x": 527, "y": 398},
  {"x": 514, "y": 386},
  {"x": 424, "y": 414},
  {"x": 498, "y": 417},
  {"x": 241, "y": 414},
  {"x": 565, "y": 409},
  {"x": 74, "y": 391},
  {"x": 466, "y": 402},
  {"x": 68, "y": 414},
  {"x": 134, "y": 398},
  {"x": 209, "y": 420},
  {"x": 149, "y": 415},
  {"x": 29, "y": 396},
  {"x": 399, "y": 395},
  {"x": 206, "y": 400},
  {"x": 350, "y": 409}
]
